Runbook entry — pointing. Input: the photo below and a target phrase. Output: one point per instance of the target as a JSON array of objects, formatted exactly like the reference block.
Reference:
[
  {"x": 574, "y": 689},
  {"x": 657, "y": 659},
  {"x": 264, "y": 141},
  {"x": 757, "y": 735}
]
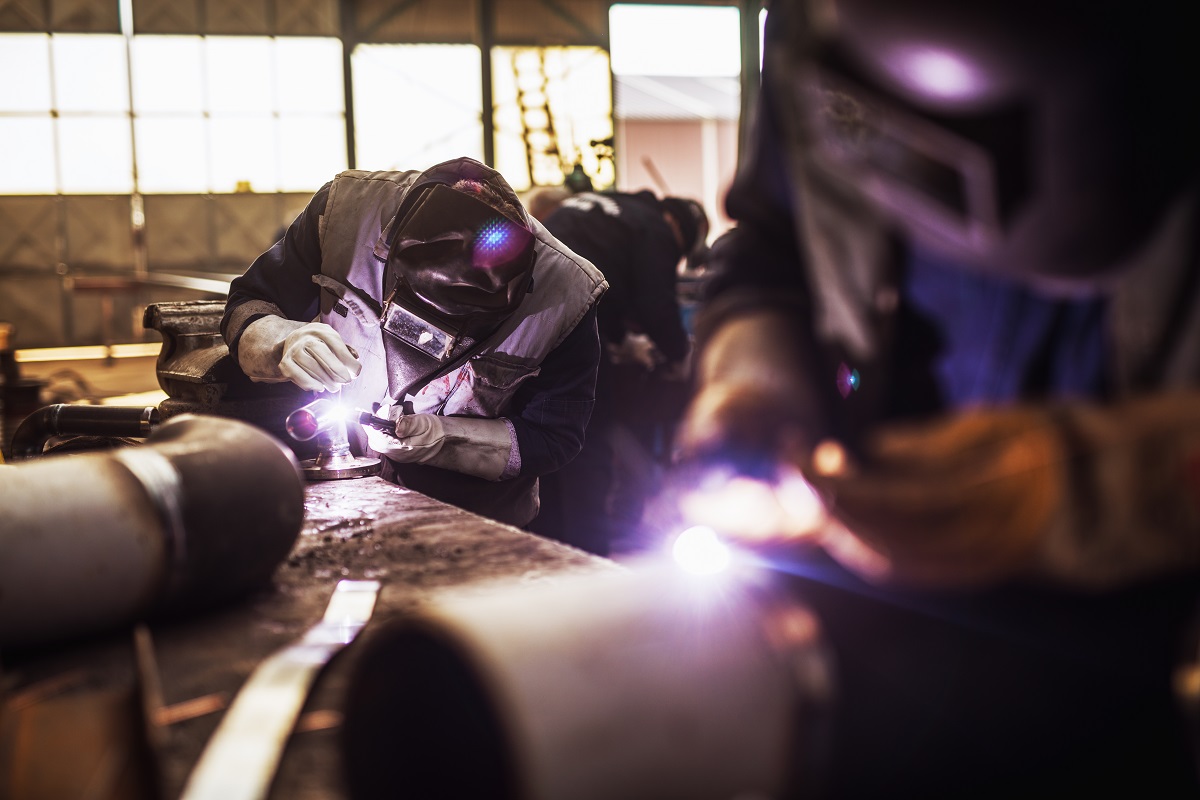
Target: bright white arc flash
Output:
[{"x": 699, "y": 551}]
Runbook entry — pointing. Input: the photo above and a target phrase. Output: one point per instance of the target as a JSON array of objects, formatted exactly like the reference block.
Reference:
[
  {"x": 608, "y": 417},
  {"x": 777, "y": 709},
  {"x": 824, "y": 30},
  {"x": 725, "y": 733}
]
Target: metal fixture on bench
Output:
[{"x": 325, "y": 420}]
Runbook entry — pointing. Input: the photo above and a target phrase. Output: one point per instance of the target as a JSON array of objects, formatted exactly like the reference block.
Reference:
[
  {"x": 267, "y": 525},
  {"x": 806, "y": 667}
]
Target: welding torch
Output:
[
  {"x": 306, "y": 422},
  {"x": 378, "y": 423}
]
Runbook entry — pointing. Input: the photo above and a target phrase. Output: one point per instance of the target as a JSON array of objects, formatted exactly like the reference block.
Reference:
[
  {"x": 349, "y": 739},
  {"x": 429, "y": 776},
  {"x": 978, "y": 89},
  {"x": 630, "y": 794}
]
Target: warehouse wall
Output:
[
  {"x": 66, "y": 261},
  {"x": 61, "y": 257}
]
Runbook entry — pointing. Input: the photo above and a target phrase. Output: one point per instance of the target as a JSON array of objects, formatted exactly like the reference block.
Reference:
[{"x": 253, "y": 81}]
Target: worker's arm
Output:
[
  {"x": 1077, "y": 495},
  {"x": 551, "y": 410},
  {"x": 655, "y": 303},
  {"x": 279, "y": 282},
  {"x": 267, "y": 322},
  {"x": 1080, "y": 495}
]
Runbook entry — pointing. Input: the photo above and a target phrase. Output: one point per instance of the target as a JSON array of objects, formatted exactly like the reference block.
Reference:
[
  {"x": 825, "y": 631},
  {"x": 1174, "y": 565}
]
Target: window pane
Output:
[
  {"x": 96, "y": 155},
  {"x": 551, "y": 104},
  {"x": 704, "y": 41},
  {"x": 311, "y": 151},
  {"x": 27, "y": 157},
  {"x": 310, "y": 75},
  {"x": 26, "y": 55},
  {"x": 416, "y": 105},
  {"x": 89, "y": 72},
  {"x": 239, "y": 73},
  {"x": 171, "y": 154},
  {"x": 167, "y": 74},
  {"x": 243, "y": 152}
]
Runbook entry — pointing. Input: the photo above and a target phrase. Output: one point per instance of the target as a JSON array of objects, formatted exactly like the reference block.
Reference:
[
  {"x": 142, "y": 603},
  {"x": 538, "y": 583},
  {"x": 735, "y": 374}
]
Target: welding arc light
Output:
[
  {"x": 700, "y": 551},
  {"x": 307, "y": 421}
]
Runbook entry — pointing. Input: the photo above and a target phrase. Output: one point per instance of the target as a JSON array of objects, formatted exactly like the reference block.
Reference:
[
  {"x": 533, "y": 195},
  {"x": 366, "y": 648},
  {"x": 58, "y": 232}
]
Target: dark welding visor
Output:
[
  {"x": 441, "y": 213},
  {"x": 454, "y": 253},
  {"x": 1047, "y": 151},
  {"x": 904, "y": 162}
]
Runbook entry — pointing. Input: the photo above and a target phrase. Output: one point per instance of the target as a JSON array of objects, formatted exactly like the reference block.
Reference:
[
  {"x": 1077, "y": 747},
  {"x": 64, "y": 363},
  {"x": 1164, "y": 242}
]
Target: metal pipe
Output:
[
  {"x": 30, "y": 437},
  {"x": 204, "y": 512},
  {"x": 640, "y": 684}
]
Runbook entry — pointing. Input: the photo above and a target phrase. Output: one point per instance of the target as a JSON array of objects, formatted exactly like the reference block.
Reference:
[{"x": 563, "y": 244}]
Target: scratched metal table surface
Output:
[{"x": 357, "y": 529}]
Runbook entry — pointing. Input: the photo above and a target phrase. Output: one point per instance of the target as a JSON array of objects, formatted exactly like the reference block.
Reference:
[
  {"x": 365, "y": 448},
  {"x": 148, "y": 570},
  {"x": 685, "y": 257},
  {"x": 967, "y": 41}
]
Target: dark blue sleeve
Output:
[
  {"x": 279, "y": 282},
  {"x": 550, "y": 412},
  {"x": 655, "y": 299}
]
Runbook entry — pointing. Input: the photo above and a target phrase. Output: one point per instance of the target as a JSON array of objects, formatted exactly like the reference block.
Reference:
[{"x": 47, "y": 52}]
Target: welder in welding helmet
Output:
[
  {"x": 432, "y": 299},
  {"x": 965, "y": 255}
]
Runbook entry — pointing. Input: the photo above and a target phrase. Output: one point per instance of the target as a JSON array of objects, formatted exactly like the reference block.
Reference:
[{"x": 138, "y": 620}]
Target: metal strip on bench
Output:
[{"x": 243, "y": 754}]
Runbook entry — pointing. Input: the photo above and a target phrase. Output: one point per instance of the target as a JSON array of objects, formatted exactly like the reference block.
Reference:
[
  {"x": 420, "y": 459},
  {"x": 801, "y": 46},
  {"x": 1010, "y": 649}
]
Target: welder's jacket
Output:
[
  {"x": 564, "y": 289},
  {"x": 353, "y": 232}
]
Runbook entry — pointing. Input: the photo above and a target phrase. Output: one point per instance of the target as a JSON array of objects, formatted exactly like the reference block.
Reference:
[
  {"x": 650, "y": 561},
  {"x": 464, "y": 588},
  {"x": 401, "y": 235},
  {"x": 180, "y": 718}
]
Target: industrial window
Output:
[
  {"x": 64, "y": 123},
  {"x": 677, "y": 85},
  {"x": 255, "y": 113},
  {"x": 703, "y": 40},
  {"x": 553, "y": 110},
  {"x": 416, "y": 105},
  {"x": 208, "y": 114}
]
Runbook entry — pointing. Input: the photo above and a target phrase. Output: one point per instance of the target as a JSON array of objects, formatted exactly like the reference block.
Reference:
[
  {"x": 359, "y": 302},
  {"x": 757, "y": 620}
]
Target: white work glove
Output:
[
  {"x": 311, "y": 355},
  {"x": 470, "y": 445}
]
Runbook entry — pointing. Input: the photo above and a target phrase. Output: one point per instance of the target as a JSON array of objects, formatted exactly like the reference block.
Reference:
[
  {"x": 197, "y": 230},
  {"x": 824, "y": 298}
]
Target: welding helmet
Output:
[
  {"x": 1043, "y": 138},
  {"x": 459, "y": 264}
]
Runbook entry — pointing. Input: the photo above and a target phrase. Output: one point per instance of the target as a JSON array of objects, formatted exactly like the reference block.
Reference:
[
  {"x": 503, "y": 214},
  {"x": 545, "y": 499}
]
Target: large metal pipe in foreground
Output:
[
  {"x": 647, "y": 684},
  {"x": 203, "y": 512}
]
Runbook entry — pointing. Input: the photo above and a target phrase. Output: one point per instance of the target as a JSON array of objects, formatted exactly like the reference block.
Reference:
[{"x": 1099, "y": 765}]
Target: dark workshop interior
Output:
[{"x": 595, "y": 400}]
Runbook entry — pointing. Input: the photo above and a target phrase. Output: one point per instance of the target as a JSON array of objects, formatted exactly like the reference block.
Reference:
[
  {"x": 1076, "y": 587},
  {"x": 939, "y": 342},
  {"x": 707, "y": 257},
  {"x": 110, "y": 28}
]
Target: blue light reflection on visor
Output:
[{"x": 497, "y": 242}]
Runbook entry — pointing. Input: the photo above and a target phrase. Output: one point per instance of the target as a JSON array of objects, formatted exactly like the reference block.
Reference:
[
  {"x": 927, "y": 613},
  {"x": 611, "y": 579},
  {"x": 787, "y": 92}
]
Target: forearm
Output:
[
  {"x": 239, "y": 315},
  {"x": 279, "y": 282},
  {"x": 1132, "y": 508},
  {"x": 555, "y": 439},
  {"x": 551, "y": 411},
  {"x": 656, "y": 306}
]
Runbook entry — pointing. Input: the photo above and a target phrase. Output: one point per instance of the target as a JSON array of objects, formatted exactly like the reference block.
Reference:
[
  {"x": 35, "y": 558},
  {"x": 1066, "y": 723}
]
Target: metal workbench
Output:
[{"x": 69, "y": 707}]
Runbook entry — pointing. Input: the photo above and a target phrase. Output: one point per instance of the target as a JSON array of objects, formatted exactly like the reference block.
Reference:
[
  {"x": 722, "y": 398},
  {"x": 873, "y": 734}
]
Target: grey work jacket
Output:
[{"x": 354, "y": 246}]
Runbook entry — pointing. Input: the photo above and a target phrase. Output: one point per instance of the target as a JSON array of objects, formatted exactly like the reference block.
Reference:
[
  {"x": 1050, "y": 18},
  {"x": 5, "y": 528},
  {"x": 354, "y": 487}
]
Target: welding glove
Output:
[
  {"x": 752, "y": 403},
  {"x": 1079, "y": 496},
  {"x": 470, "y": 445},
  {"x": 311, "y": 355},
  {"x": 961, "y": 501}
]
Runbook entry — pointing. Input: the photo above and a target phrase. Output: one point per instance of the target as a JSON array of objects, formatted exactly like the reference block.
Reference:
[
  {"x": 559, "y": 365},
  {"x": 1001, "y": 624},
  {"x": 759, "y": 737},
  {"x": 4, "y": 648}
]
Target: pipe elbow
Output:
[
  {"x": 202, "y": 513},
  {"x": 61, "y": 419},
  {"x": 31, "y": 435}
]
